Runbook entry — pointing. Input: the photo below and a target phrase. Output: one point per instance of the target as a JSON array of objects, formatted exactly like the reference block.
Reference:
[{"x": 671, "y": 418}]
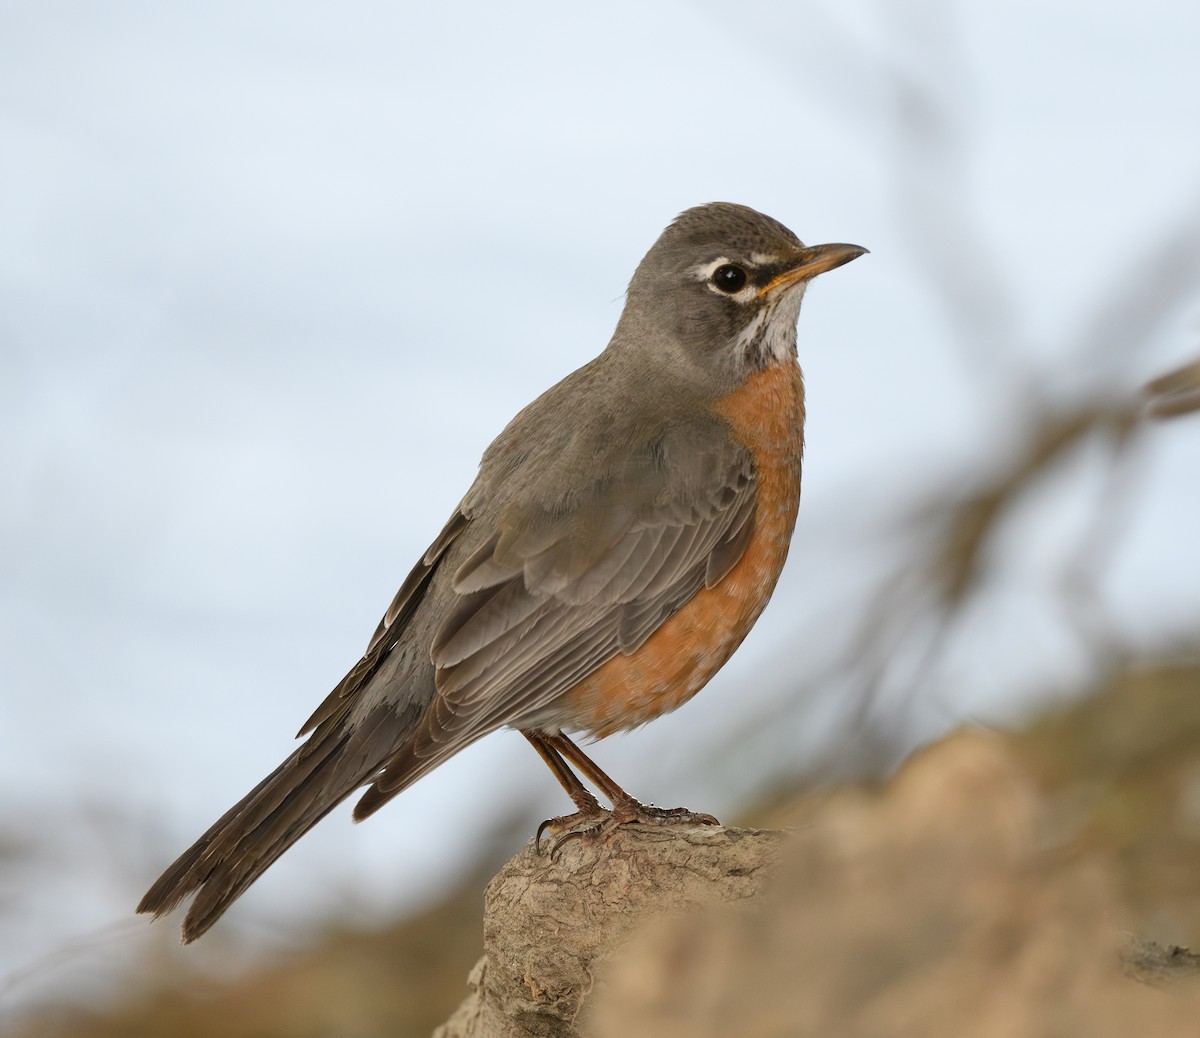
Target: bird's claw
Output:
[{"x": 596, "y": 823}]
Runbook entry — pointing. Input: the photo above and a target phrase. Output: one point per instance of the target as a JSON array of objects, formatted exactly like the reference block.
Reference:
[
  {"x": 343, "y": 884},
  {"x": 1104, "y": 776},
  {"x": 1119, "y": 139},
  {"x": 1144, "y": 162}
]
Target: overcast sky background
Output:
[{"x": 273, "y": 275}]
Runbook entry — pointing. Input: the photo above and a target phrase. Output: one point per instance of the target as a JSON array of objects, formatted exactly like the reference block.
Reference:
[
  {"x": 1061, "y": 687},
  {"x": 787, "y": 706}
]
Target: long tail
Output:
[{"x": 269, "y": 819}]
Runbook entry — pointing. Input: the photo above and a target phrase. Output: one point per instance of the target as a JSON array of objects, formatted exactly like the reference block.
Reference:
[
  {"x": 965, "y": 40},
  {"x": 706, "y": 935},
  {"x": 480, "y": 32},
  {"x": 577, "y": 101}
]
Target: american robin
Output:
[{"x": 623, "y": 534}]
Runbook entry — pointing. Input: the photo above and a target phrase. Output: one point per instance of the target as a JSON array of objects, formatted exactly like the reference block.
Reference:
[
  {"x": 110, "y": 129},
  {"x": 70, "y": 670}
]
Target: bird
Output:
[{"x": 623, "y": 534}]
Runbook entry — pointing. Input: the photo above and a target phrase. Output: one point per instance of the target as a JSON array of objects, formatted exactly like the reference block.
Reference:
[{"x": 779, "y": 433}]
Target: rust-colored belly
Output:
[{"x": 767, "y": 416}]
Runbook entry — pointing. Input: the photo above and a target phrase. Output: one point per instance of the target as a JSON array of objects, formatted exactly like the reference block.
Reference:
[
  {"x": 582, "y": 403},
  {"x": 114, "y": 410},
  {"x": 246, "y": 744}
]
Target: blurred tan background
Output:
[{"x": 272, "y": 278}]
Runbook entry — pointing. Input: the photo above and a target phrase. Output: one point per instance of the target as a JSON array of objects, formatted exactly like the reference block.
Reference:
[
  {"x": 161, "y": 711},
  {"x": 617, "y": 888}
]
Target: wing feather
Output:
[
  {"x": 569, "y": 588},
  {"x": 390, "y": 627},
  {"x": 482, "y": 619}
]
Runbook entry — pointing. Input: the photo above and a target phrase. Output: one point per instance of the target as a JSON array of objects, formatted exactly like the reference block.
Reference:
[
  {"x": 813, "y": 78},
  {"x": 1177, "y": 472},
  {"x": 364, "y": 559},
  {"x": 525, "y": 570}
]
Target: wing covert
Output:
[{"x": 557, "y": 591}]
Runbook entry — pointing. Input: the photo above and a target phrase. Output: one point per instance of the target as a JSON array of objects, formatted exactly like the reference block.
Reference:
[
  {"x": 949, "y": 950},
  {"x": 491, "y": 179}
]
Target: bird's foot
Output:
[
  {"x": 593, "y": 822},
  {"x": 648, "y": 814}
]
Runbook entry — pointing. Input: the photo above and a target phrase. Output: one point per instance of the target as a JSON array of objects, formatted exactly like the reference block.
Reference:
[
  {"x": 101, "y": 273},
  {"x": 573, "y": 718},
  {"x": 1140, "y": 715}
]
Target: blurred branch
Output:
[
  {"x": 952, "y": 537},
  {"x": 1175, "y": 393}
]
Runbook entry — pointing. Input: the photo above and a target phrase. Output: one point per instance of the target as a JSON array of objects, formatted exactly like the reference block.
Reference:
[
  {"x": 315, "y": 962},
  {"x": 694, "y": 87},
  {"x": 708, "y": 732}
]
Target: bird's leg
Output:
[
  {"x": 566, "y": 777},
  {"x": 625, "y": 809},
  {"x": 589, "y": 813}
]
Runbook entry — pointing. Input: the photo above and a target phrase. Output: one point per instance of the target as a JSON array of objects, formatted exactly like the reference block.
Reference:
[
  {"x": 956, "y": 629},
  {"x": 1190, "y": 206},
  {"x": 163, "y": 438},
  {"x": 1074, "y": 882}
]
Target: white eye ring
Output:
[{"x": 712, "y": 272}]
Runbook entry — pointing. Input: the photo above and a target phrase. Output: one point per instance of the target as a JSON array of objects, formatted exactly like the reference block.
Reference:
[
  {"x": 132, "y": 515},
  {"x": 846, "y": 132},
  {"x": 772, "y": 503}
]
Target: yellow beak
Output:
[{"x": 814, "y": 260}]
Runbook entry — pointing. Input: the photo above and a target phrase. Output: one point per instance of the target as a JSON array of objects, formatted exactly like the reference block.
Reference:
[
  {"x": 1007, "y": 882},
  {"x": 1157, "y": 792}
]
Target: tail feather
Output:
[
  {"x": 252, "y": 834},
  {"x": 402, "y": 769},
  {"x": 414, "y": 759}
]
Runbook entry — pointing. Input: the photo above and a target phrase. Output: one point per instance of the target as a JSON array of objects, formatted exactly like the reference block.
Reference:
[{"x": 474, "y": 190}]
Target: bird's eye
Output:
[{"x": 729, "y": 278}]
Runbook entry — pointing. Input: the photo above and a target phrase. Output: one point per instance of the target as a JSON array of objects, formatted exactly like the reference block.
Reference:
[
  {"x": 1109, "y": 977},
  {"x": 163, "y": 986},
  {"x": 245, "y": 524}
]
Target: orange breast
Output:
[{"x": 767, "y": 417}]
